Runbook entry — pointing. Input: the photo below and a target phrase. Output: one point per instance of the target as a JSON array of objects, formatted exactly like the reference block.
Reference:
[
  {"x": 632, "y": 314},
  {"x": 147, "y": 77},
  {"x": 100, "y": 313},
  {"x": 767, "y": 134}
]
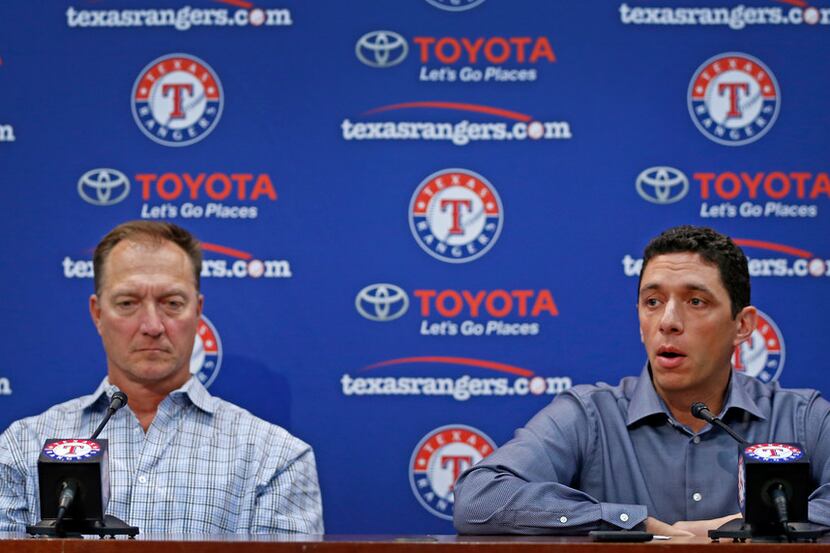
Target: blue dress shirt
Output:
[
  {"x": 203, "y": 466},
  {"x": 606, "y": 457}
]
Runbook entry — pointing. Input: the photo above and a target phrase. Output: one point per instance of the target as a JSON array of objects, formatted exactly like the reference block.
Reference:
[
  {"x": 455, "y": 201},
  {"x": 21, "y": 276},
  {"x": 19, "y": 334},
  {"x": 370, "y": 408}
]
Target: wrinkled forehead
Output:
[{"x": 147, "y": 262}]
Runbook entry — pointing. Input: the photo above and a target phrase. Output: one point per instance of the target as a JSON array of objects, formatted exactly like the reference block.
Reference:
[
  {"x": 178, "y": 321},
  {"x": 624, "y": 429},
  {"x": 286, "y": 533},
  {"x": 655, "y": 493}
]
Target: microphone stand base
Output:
[
  {"x": 111, "y": 526},
  {"x": 738, "y": 531}
]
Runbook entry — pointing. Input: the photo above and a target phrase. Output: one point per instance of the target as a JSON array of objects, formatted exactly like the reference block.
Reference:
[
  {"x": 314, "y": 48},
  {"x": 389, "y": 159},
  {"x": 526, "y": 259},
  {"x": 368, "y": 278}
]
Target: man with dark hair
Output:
[
  {"x": 181, "y": 460},
  {"x": 713, "y": 248},
  {"x": 632, "y": 456}
]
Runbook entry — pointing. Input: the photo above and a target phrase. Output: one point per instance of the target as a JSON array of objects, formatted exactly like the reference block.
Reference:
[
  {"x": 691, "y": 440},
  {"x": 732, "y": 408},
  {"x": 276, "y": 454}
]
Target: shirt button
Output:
[
  {"x": 696, "y": 496},
  {"x": 142, "y": 479},
  {"x": 624, "y": 517},
  {"x": 563, "y": 519},
  {"x": 696, "y": 439}
]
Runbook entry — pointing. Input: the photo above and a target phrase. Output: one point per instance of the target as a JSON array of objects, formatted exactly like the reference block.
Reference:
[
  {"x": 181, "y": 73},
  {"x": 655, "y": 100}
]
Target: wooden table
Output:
[{"x": 18, "y": 543}]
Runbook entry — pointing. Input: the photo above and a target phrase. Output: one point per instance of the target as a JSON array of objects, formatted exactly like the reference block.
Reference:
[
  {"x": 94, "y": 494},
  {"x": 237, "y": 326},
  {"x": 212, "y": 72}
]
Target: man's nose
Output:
[
  {"x": 151, "y": 323},
  {"x": 671, "y": 322}
]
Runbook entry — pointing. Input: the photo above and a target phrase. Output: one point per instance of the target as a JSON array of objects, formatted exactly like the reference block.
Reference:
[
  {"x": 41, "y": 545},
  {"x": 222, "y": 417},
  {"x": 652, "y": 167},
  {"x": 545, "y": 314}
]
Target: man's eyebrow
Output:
[
  {"x": 130, "y": 291},
  {"x": 174, "y": 292},
  {"x": 123, "y": 292},
  {"x": 690, "y": 286},
  {"x": 649, "y": 287},
  {"x": 698, "y": 287}
]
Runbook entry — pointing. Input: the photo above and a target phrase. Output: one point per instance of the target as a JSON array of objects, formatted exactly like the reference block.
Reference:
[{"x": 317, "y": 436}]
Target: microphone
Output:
[
  {"x": 77, "y": 472},
  {"x": 773, "y": 479},
  {"x": 778, "y": 494},
  {"x": 119, "y": 400},
  {"x": 69, "y": 486},
  {"x": 701, "y": 411}
]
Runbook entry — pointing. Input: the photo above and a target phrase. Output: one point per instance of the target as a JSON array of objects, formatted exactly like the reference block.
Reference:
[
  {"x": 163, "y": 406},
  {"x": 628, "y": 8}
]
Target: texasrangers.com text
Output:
[
  {"x": 181, "y": 19},
  {"x": 460, "y": 389}
]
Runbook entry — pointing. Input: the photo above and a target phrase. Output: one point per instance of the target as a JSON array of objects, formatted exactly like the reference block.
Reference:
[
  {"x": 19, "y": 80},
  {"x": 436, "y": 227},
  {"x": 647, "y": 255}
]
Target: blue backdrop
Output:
[{"x": 422, "y": 218}]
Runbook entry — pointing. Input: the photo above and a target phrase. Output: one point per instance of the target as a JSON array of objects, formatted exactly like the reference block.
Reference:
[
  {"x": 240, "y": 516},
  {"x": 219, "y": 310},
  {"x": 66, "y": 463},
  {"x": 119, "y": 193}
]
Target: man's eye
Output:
[
  {"x": 696, "y": 301},
  {"x": 175, "y": 304},
  {"x": 651, "y": 302},
  {"x": 125, "y": 303}
]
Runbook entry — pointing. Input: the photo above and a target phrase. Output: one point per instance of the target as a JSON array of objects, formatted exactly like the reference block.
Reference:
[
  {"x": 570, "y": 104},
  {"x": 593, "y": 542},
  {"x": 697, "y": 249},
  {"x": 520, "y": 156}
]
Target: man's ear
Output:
[
  {"x": 745, "y": 323},
  {"x": 95, "y": 311},
  {"x": 200, "y": 305}
]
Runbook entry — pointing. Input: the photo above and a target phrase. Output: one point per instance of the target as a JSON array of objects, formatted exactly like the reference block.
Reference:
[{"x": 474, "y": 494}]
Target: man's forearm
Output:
[
  {"x": 688, "y": 527},
  {"x": 818, "y": 508},
  {"x": 290, "y": 503},
  {"x": 488, "y": 501},
  {"x": 14, "y": 510}
]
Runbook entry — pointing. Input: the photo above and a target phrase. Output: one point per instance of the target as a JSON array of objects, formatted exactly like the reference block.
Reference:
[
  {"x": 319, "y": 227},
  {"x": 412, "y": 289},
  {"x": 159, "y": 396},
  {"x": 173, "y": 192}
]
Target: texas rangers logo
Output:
[
  {"x": 762, "y": 355},
  {"x": 177, "y": 100},
  {"x": 207, "y": 353},
  {"x": 439, "y": 458},
  {"x": 455, "y": 215},
  {"x": 71, "y": 450},
  {"x": 733, "y": 99},
  {"x": 774, "y": 453}
]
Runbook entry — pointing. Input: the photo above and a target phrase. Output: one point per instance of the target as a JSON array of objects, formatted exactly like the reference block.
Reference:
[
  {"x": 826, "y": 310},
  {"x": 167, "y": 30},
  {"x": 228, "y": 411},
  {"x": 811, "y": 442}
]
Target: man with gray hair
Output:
[{"x": 181, "y": 460}]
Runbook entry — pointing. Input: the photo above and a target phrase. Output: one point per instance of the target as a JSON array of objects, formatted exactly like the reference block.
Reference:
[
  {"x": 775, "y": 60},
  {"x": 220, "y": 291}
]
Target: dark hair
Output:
[
  {"x": 155, "y": 232},
  {"x": 712, "y": 246}
]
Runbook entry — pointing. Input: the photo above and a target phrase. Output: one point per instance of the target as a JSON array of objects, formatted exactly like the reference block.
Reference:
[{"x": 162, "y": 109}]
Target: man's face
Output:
[
  {"x": 687, "y": 326},
  {"x": 147, "y": 314}
]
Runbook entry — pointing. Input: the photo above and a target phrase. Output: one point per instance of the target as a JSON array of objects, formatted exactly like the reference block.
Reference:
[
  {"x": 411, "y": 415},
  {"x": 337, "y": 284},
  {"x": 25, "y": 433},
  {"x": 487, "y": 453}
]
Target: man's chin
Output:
[
  {"x": 153, "y": 373},
  {"x": 670, "y": 380}
]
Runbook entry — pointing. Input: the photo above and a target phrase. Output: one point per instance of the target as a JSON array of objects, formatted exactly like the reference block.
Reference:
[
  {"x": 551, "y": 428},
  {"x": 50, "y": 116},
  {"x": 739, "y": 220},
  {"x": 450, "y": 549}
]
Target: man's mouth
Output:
[{"x": 670, "y": 353}]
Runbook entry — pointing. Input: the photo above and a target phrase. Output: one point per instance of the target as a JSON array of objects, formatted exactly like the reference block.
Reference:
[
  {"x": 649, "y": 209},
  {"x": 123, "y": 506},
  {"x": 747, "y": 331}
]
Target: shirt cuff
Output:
[{"x": 623, "y": 516}]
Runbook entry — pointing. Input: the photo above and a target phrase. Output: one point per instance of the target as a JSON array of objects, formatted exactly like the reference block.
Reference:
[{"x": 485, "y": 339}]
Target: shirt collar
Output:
[
  {"x": 192, "y": 390},
  {"x": 645, "y": 401},
  {"x": 739, "y": 397},
  {"x": 104, "y": 390}
]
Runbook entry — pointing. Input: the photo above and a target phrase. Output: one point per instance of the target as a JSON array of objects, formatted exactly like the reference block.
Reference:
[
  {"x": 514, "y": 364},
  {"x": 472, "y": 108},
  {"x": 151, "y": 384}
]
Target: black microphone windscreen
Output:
[
  {"x": 698, "y": 410},
  {"x": 119, "y": 400}
]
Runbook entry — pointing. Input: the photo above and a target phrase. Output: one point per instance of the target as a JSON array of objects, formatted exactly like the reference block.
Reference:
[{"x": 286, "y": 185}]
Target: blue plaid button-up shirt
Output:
[{"x": 203, "y": 466}]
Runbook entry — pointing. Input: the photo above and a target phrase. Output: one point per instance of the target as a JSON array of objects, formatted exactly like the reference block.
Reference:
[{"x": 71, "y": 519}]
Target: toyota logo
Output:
[
  {"x": 662, "y": 185},
  {"x": 103, "y": 186},
  {"x": 381, "y": 49},
  {"x": 382, "y": 302}
]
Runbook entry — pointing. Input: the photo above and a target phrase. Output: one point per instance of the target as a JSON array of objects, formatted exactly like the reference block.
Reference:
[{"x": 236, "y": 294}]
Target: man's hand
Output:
[
  {"x": 702, "y": 527},
  {"x": 654, "y": 526},
  {"x": 687, "y": 528}
]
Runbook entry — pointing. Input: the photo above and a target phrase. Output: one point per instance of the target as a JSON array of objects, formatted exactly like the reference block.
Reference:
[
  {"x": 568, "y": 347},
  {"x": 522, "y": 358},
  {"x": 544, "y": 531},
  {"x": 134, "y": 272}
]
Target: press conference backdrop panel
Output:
[{"x": 421, "y": 219}]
